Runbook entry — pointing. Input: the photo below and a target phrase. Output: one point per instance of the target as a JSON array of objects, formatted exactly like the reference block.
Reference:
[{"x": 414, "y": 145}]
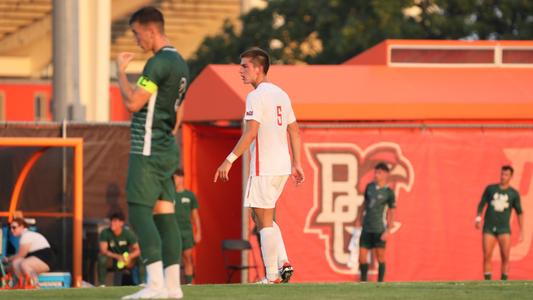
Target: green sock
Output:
[
  {"x": 381, "y": 272},
  {"x": 167, "y": 225},
  {"x": 504, "y": 276},
  {"x": 487, "y": 276},
  {"x": 142, "y": 271},
  {"x": 188, "y": 279},
  {"x": 102, "y": 269},
  {"x": 364, "y": 271},
  {"x": 142, "y": 221}
]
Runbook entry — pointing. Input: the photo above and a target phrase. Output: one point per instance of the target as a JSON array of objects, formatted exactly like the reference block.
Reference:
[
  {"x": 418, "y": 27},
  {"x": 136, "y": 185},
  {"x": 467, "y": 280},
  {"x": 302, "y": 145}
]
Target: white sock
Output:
[
  {"x": 154, "y": 272},
  {"x": 282, "y": 253},
  {"x": 172, "y": 278},
  {"x": 269, "y": 250}
]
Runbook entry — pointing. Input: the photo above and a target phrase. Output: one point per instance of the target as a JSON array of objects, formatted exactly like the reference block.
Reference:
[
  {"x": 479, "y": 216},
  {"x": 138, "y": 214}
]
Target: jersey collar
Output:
[{"x": 167, "y": 48}]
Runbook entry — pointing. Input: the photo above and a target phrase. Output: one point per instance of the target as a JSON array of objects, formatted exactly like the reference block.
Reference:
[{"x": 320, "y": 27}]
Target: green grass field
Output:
[{"x": 472, "y": 290}]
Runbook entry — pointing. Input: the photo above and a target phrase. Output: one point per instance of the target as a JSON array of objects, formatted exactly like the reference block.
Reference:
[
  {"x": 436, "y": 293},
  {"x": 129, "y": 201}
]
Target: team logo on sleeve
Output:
[
  {"x": 250, "y": 113},
  {"x": 341, "y": 173}
]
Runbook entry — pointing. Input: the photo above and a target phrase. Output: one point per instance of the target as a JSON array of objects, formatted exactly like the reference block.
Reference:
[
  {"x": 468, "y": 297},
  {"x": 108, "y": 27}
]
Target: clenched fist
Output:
[{"x": 123, "y": 60}]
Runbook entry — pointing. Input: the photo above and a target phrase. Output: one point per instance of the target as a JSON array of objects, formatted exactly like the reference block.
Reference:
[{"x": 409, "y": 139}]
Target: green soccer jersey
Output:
[
  {"x": 499, "y": 203},
  {"x": 375, "y": 201},
  {"x": 166, "y": 77},
  {"x": 185, "y": 203},
  {"x": 118, "y": 244}
]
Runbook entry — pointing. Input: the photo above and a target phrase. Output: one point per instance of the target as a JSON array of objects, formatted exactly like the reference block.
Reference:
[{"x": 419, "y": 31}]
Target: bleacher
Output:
[
  {"x": 26, "y": 28},
  {"x": 187, "y": 22},
  {"x": 16, "y": 15}
]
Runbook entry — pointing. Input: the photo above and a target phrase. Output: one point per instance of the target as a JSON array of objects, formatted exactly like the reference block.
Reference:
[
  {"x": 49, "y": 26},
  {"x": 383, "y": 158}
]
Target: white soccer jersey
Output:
[
  {"x": 36, "y": 240},
  {"x": 271, "y": 107}
]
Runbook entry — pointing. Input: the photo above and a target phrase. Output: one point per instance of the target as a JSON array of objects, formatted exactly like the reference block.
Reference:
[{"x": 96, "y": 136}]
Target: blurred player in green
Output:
[
  {"x": 153, "y": 159},
  {"x": 499, "y": 199},
  {"x": 114, "y": 241},
  {"x": 188, "y": 217},
  {"x": 374, "y": 235}
]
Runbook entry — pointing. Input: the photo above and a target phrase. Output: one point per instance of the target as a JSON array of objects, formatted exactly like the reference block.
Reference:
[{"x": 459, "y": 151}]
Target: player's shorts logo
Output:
[{"x": 341, "y": 172}]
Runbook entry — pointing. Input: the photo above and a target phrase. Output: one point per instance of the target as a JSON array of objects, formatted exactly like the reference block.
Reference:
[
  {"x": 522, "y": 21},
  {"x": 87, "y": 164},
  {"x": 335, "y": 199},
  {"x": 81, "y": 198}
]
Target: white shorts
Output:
[{"x": 264, "y": 191}]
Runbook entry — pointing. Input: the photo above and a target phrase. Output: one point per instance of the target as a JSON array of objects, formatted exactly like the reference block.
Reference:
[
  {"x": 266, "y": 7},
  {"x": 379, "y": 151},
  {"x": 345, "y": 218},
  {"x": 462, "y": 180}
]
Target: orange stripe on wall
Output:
[{"x": 41, "y": 214}]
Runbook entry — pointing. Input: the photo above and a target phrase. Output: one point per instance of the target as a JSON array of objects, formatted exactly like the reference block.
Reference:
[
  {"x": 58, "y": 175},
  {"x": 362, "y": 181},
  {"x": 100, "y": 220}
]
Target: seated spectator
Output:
[
  {"x": 115, "y": 241},
  {"x": 34, "y": 255}
]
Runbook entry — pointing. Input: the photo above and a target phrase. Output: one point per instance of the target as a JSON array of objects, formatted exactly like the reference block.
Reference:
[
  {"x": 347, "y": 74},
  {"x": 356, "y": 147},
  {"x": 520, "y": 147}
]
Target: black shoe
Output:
[{"x": 286, "y": 272}]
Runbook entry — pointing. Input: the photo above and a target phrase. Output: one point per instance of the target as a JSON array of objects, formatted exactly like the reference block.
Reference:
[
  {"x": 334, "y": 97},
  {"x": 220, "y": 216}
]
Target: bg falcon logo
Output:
[{"x": 341, "y": 172}]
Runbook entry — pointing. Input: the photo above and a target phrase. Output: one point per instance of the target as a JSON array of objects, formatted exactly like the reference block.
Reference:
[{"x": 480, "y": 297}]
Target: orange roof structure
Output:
[
  {"x": 418, "y": 53},
  {"x": 375, "y": 91}
]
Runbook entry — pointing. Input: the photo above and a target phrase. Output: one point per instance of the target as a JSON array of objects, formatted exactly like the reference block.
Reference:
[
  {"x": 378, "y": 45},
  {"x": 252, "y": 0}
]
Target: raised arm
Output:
[{"x": 134, "y": 98}]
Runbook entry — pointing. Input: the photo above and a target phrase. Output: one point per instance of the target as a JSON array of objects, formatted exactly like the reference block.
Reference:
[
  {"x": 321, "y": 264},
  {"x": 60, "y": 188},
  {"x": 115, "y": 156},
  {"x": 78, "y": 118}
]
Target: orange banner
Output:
[{"x": 438, "y": 176}]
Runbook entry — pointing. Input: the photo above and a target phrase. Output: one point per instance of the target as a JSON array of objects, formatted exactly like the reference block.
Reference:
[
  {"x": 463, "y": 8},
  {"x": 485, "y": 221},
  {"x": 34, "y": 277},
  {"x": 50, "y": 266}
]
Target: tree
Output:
[
  {"x": 332, "y": 31},
  {"x": 477, "y": 19}
]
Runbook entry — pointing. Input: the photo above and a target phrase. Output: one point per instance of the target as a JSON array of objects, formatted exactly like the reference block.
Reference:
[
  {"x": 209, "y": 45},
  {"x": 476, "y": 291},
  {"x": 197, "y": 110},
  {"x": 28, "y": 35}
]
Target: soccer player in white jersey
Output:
[{"x": 268, "y": 119}]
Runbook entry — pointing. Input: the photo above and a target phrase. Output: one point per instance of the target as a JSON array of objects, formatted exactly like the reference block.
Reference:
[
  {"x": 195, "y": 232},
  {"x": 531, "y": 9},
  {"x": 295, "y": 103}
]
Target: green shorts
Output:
[
  {"x": 371, "y": 240},
  {"x": 187, "y": 238},
  {"x": 150, "y": 178},
  {"x": 496, "y": 230}
]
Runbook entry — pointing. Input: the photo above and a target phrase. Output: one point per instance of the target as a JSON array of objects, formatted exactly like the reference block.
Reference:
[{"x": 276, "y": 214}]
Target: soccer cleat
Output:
[
  {"x": 177, "y": 294},
  {"x": 285, "y": 272},
  {"x": 148, "y": 293}
]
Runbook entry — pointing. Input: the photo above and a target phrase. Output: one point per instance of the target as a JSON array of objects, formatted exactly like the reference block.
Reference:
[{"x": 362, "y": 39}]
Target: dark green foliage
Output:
[{"x": 332, "y": 31}]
